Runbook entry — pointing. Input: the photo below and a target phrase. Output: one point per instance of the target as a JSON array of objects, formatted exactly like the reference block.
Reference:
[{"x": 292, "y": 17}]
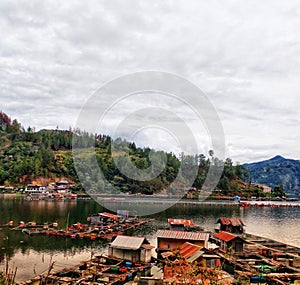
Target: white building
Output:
[{"x": 32, "y": 189}]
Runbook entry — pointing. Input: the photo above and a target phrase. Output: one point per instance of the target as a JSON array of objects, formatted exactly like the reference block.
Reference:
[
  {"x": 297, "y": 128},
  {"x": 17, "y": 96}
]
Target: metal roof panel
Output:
[
  {"x": 189, "y": 249},
  {"x": 225, "y": 236},
  {"x": 182, "y": 235},
  {"x": 127, "y": 242},
  {"x": 235, "y": 222}
]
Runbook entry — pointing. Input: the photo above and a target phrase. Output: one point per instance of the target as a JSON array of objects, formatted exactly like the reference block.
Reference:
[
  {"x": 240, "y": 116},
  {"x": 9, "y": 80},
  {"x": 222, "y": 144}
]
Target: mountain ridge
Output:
[
  {"x": 274, "y": 158},
  {"x": 275, "y": 171}
]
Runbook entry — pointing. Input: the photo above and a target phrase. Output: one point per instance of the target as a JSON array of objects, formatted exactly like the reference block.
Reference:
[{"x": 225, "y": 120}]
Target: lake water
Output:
[{"x": 32, "y": 255}]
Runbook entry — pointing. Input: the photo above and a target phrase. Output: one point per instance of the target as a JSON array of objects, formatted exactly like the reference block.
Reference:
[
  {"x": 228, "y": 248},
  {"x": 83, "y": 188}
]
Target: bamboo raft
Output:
[
  {"x": 104, "y": 232},
  {"x": 107, "y": 230},
  {"x": 104, "y": 270}
]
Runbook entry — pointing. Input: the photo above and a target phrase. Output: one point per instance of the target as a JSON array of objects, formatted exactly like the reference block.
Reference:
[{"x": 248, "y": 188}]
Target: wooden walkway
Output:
[{"x": 99, "y": 270}]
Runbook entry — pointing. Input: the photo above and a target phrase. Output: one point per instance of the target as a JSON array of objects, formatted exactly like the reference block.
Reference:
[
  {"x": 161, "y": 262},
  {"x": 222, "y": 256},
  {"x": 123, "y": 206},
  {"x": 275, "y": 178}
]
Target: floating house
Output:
[
  {"x": 101, "y": 218},
  {"x": 181, "y": 268},
  {"x": 180, "y": 224},
  {"x": 232, "y": 225},
  {"x": 195, "y": 253},
  {"x": 167, "y": 239},
  {"x": 131, "y": 248},
  {"x": 229, "y": 242}
]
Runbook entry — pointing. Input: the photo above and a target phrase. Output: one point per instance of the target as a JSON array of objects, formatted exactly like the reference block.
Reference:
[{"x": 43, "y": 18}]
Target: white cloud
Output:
[{"x": 244, "y": 55}]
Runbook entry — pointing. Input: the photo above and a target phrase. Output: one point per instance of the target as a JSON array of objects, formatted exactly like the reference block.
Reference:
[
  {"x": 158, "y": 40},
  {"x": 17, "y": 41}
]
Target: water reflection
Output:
[{"x": 33, "y": 254}]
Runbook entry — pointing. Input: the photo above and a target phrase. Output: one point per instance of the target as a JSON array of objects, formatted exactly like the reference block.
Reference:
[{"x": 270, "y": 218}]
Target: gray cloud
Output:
[{"x": 244, "y": 56}]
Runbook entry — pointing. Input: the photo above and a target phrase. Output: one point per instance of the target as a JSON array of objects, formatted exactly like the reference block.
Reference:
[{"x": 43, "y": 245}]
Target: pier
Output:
[
  {"x": 99, "y": 270},
  {"x": 156, "y": 200},
  {"x": 100, "y": 226},
  {"x": 271, "y": 204}
]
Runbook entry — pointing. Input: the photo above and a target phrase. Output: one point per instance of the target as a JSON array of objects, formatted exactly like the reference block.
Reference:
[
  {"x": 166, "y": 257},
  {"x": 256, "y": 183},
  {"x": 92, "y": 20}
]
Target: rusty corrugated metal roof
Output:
[
  {"x": 189, "y": 249},
  {"x": 186, "y": 223},
  {"x": 235, "y": 222},
  {"x": 127, "y": 242},
  {"x": 225, "y": 236},
  {"x": 182, "y": 235}
]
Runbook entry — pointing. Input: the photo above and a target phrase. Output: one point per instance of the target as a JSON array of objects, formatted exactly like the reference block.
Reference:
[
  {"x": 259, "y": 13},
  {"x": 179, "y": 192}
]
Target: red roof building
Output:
[
  {"x": 194, "y": 253},
  {"x": 167, "y": 239},
  {"x": 180, "y": 224},
  {"x": 100, "y": 218},
  {"x": 229, "y": 242},
  {"x": 188, "y": 249}
]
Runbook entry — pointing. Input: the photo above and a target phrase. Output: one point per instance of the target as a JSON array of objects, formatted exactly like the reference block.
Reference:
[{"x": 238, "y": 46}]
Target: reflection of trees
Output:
[
  {"x": 16, "y": 210},
  {"x": 17, "y": 241}
]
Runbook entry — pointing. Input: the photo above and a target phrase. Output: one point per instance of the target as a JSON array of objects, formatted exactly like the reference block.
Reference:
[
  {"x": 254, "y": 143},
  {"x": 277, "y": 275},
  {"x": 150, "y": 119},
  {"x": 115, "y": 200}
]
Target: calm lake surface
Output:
[{"x": 32, "y": 255}]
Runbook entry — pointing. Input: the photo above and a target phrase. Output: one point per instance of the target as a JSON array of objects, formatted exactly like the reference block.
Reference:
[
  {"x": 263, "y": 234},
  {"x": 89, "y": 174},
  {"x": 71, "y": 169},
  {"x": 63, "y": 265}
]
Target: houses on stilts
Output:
[{"x": 185, "y": 255}]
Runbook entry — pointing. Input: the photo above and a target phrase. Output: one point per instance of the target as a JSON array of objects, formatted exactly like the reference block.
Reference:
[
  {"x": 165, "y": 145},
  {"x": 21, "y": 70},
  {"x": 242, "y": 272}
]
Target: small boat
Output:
[{"x": 36, "y": 231}]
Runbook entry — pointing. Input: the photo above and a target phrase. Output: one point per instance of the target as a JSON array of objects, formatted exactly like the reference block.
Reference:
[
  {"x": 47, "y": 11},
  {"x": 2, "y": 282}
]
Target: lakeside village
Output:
[
  {"x": 60, "y": 190},
  {"x": 184, "y": 254},
  {"x": 68, "y": 190}
]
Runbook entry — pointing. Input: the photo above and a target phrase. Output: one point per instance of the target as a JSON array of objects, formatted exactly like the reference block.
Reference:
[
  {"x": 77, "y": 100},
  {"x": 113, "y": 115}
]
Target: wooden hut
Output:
[
  {"x": 232, "y": 225},
  {"x": 229, "y": 242},
  {"x": 134, "y": 249}
]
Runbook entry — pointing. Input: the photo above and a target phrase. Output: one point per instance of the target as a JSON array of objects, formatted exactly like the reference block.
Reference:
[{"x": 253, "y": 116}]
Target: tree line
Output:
[{"x": 28, "y": 154}]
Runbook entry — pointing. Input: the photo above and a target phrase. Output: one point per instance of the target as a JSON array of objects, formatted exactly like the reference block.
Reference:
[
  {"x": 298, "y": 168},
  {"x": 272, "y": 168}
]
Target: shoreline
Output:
[
  {"x": 227, "y": 201},
  {"x": 10, "y": 195}
]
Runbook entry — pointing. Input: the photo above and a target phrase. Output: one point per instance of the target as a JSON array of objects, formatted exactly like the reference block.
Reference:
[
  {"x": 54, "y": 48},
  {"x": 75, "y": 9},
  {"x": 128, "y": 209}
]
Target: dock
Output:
[
  {"x": 264, "y": 261},
  {"x": 155, "y": 200},
  {"x": 270, "y": 204},
  {"x": 101, "y": 269},
  {"x": 246, "y": 258},
  {"x": 100, "y": 226}
]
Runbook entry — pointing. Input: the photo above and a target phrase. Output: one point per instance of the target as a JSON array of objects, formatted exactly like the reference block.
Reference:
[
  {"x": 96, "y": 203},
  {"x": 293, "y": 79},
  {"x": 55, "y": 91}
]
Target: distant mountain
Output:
[{"x": 275, "y": 171}]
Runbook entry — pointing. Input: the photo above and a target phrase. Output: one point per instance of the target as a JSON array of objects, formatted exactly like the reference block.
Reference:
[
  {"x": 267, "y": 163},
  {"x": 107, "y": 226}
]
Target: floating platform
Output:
[
  {"x": 102, "y": 270},
  {"x": 264, "y": 261},
  {"x": 104, "y": 229},
  {"x": 271, "y": 204}
]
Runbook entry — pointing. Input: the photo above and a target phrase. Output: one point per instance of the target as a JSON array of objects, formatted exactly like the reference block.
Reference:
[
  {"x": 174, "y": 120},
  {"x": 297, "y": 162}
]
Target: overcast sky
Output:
[{"x": 244, "y": 55}]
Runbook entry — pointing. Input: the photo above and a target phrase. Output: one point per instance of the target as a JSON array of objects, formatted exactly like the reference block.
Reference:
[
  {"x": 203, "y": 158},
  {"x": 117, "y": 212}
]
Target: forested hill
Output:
[
  {"x": 28, "y": 156},
  {"x": 275, "y": 171}
]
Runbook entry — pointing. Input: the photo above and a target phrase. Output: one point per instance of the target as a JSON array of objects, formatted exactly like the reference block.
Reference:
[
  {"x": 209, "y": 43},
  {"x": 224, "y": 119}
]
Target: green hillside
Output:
[{"x": 28, "y": 156}]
